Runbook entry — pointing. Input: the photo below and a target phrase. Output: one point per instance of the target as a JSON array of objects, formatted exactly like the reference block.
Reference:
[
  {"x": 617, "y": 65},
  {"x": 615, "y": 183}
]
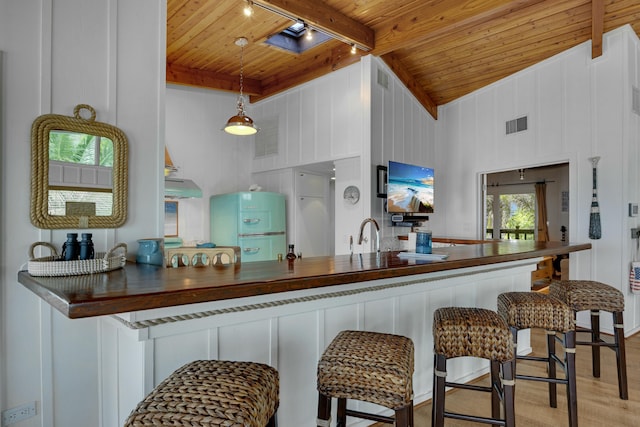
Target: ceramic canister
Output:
[{"x": 150, "y": 251}]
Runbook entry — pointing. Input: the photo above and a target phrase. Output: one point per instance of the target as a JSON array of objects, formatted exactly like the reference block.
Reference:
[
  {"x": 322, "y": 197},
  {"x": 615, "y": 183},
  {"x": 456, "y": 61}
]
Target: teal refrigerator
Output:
[{"x": 253, "y": 220}]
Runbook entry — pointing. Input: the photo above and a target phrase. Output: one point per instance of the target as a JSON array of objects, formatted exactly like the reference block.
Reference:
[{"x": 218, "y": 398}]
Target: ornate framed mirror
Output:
[{"x": 79, "y": 172}]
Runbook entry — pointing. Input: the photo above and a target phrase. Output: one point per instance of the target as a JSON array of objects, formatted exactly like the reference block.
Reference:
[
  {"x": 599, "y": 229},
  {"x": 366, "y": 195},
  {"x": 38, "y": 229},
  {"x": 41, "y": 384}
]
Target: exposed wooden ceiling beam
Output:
[
  {"x": 435, "y": 19},
  {"x": 412, "y": 84},
  {"x": 597, "y": 27},
  {"x": 199, "y": 78},
  {"x": 322, "y": 17}
]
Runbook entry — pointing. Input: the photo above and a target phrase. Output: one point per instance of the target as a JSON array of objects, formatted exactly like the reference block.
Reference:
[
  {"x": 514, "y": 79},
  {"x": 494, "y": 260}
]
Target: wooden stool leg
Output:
[
  {"x": 570, "y": 366},
  {"x": 621, "y": 358},
  {"x": 595, "y": 338},
  {"x": 437, "y": 402},
  {"x": 514, "y": 335},
  {"x": 508, "y": 394},
  {"x": 411, "y": 415},
  {"x": 551, "y": 368},
  {"x": 341, "y": 416},
  {"x": 404, "y": 416},
  {"x": 496, "y": 387},
  {"x": 324, "y": 409}
]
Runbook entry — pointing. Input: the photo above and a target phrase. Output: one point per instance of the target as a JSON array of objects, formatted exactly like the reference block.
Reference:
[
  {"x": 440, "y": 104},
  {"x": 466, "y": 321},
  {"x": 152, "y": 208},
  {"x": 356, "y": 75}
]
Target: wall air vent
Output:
[
  {"x": 266, "y": 141},
  {"x": 383, "y": 79},
  {"x": 635, "y": 100},
  {"x": 516, "y": 125}
]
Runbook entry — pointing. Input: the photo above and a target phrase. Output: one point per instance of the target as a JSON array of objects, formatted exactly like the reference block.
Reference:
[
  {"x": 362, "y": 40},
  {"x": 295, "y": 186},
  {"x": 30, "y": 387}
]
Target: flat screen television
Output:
[{"x": 409, "y": 188}]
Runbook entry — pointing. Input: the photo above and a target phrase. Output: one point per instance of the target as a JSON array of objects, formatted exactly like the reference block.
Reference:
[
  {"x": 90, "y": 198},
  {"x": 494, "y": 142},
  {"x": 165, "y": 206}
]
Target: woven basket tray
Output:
[{"x": 54, "y": 265}]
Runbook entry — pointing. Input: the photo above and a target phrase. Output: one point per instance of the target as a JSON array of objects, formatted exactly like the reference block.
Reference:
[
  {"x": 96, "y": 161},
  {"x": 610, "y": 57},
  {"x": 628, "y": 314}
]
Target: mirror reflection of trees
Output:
[
  {"x": 71, "y": 150},
  {"x": 80, "y": 148}
]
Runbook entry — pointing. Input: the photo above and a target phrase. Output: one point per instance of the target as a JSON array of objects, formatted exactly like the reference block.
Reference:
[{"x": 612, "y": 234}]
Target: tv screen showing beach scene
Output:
[{"x": 409, "y": 188}]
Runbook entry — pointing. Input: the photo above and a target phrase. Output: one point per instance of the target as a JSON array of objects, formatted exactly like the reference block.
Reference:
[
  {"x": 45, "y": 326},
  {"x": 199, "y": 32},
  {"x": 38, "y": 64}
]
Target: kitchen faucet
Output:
[{"x": 375, "y": 224}]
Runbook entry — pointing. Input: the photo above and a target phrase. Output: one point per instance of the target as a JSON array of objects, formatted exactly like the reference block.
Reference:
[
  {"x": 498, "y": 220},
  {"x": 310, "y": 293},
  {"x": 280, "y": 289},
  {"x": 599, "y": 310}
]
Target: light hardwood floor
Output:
[{"x": 598, "y": 401}]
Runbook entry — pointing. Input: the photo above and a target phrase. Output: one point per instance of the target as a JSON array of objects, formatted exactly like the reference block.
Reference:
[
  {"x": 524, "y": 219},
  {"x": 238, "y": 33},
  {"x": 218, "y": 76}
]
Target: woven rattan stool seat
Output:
[
  {"x": 367, "y": 366},
  {"x": 525, "y": 310},
  {"x": 474, "y": 332},
  {"x": 461, "y": 331},
  {"x": 582, "y": 295},
  {"x": 588, "y": 295},
  {"x": 212, "y": 393}
]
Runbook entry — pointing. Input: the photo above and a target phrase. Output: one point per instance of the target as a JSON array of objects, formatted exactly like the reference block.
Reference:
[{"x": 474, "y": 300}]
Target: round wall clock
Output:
[{"x": 352, "y": 194}]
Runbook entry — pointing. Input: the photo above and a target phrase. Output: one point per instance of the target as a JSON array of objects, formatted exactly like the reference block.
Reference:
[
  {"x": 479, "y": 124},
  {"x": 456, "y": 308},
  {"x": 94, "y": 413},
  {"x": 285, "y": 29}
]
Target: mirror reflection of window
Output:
[{"x": 80, "y": 174}]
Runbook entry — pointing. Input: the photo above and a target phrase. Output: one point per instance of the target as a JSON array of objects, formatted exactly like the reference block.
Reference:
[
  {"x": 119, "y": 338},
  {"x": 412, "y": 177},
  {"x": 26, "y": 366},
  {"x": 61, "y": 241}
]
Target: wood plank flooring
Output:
[{"x": 598, "y": 401}]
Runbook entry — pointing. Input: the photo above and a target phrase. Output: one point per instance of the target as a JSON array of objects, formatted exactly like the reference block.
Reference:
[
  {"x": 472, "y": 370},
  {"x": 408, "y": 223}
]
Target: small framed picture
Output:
[
  {"x": 171, "y": 219},
  {"x": 382, "y": 181}
]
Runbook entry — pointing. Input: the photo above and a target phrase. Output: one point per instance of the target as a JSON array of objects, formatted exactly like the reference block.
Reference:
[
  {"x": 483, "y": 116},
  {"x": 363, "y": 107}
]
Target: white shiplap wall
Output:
[
  {"x": 318, "y": 121},
  {"x": 324, "y": 120},
  {"x": 403, "y": 131},
  {"x": 59, "y": 54},
  {"x": 577, "y": 108}
]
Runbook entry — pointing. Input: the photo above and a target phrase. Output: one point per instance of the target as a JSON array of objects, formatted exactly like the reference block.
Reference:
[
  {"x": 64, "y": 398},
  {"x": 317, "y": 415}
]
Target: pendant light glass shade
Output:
[{"x": 240, "y": 124}]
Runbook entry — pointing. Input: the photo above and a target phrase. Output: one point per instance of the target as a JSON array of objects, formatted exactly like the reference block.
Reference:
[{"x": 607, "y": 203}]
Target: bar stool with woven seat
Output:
[
  {"x": 371, "y": 367},
  {"x": 474, "y": 332},
  {"x": 583, "y": 295},
  {"x": 530, "y": 310},
  {"x": 212, "y": 393}
]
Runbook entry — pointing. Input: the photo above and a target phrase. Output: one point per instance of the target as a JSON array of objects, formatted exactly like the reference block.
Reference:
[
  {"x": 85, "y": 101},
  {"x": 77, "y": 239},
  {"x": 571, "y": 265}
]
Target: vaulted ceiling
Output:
[{"x": 440, "y": 49}]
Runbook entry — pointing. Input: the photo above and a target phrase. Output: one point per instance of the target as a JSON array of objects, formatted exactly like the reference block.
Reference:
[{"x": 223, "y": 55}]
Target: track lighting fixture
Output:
[{"x": 248, "y": 8}]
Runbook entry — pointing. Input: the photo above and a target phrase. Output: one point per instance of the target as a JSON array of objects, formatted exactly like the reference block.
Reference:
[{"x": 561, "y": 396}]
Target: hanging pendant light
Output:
[{"x": 241, "y": 124}]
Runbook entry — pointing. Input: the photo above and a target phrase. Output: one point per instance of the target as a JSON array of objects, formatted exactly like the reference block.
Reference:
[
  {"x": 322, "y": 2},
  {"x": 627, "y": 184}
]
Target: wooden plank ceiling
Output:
[{"x": 441, "y": 49}]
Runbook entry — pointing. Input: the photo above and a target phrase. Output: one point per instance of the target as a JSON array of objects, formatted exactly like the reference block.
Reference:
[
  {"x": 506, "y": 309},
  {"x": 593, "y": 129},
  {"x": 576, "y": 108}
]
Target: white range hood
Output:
[{"x": 180, "y": 188}]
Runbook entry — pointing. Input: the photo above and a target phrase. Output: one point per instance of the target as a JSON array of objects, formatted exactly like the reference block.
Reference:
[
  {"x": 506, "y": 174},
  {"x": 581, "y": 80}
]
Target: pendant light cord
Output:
[{"x": 241, "y": 97}]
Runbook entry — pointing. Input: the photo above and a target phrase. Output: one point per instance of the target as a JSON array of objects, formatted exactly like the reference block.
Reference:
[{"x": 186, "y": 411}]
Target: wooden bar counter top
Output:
[{"x": 141, "y": 287}]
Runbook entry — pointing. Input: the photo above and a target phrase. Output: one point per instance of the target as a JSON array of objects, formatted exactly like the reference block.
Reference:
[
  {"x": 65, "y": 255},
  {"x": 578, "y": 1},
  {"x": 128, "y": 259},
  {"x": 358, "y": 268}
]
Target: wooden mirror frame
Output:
[{"x": 40, "y": 130}]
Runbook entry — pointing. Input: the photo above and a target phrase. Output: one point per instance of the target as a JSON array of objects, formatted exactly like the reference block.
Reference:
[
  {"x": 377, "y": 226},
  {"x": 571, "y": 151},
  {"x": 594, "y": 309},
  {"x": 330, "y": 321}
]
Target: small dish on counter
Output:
[{"x": 415, "y": 255}]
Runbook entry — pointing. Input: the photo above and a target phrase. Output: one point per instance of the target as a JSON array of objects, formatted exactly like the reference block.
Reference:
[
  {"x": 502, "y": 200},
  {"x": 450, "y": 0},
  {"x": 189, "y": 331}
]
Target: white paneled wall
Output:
[
  {"x": 321, "y": 121},
  {"x": 577, "y": 108},
  {"x": 403, "y": 131},
  {"x": 318, "y": 121},
  {"x": 59, "y": 54}
]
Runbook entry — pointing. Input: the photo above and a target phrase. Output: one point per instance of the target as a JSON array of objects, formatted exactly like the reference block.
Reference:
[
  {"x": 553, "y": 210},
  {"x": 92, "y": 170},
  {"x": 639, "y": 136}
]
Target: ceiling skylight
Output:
[{"x": 297, "y": 38}]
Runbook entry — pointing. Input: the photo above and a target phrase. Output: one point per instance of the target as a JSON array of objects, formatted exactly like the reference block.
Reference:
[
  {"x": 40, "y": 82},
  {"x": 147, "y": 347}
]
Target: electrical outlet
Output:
[
  {"x": 19, "y": 413},
  {"x": 635, "y": 233}
]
